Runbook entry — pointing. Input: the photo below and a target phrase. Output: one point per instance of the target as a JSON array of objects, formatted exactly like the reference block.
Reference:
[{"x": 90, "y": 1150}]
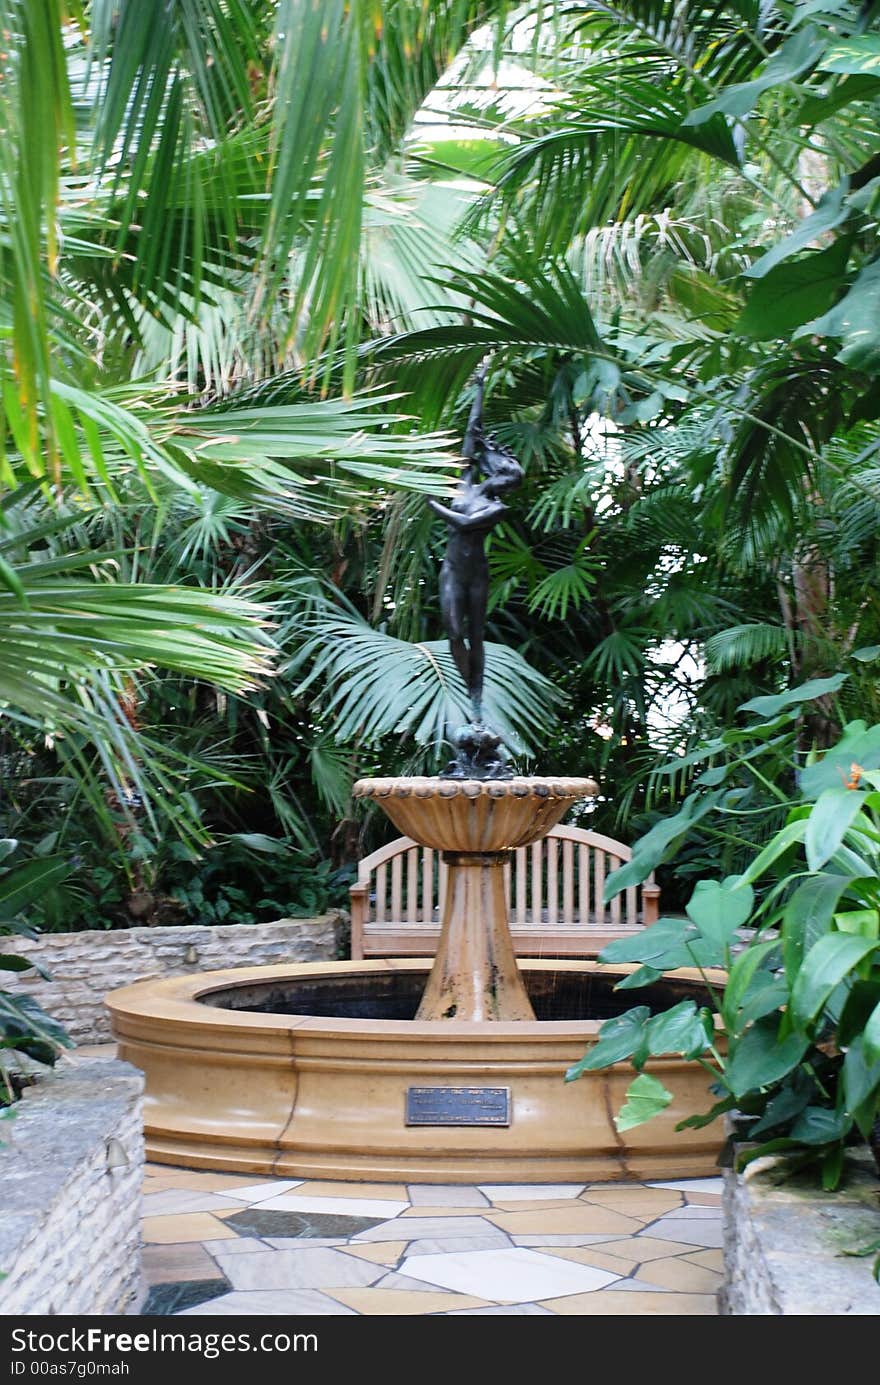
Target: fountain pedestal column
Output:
[
  {"x": 475, "y": 824},
  {"x": 475, "y": 975}
]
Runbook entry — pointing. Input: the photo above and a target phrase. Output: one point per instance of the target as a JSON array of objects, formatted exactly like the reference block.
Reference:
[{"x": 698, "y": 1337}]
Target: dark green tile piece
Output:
[
  {"x": 300, "y": 1225},
  {"x": 165, "y": 1299}
]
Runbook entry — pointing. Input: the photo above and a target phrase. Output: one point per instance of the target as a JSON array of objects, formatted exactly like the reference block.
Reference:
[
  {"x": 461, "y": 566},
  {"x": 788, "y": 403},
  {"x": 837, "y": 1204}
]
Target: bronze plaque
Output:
[{"x": 458, "y": 1106}]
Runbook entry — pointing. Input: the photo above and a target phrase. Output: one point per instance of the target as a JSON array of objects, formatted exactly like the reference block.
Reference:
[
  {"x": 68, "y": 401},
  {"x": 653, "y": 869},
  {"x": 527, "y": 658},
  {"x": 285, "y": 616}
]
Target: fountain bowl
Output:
[
  {"x": 303, "y": 1071},
  {"x": 475, "y": 816}
]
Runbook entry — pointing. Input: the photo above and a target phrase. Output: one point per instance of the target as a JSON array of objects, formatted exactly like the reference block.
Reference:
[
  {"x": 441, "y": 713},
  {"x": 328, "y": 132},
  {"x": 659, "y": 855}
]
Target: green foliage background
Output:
[{"x": 237, "y": 329}]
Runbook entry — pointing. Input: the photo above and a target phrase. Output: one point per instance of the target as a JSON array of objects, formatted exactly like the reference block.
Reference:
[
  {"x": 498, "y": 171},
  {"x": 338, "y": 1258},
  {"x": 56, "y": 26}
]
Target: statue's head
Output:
[{"x": 499, "y": 467}]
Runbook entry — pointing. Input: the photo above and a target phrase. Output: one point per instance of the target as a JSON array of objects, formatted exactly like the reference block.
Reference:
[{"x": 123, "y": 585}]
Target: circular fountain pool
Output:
[{"x": 309, "y": 1071}]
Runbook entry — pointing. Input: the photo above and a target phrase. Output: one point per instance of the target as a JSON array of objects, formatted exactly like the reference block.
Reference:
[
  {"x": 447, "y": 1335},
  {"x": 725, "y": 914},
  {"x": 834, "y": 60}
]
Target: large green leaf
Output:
[
  {"x": 808, "y": 916},
  {"x": 619, "y": 1038},
  {"x": 652, "y": 945},
  {"x": 861, "y": 1080},
  {"x": 859, "y": 53},
  {"x": 759, "y": 1058},
  {"x": 785, "y": 839},
  {"x": 817, "y": 1125},
  {"x": 828, "y": 962},
  {"x": 855, "y": 1017},
  {"x": 871, "y": 1036},
  {"x": 792, "y": 293},
  {"x": 855, "y": 320},
  {"x": 792, "y": 1098},
  {"x": 772, "y": 705},
  {"x": 741, "y": 978},
  {"x": 833, "y": 814},
  {"x": 645, "y": 1097},
  {"x": 859, "y": 745},
  {"x": 799, "y": 53},
  {"x": 684, "y": 1029},
  {"x": 659, "y": 843},
  {"x": 719, "y": 908},
  {"x": 830, "y": 213}
]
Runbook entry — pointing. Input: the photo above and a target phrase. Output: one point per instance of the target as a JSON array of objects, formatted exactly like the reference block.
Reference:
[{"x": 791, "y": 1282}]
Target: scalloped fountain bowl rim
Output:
[{"x": 435, "y": 786}]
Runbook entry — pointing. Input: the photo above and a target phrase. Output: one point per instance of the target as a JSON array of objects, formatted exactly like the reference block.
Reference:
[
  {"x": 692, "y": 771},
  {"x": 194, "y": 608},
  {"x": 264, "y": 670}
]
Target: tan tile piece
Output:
[
  {"x": 190, "y": 1226},
  {"x": 647, "y": 1203},
  {"x": 702, "y": 1199},
  {"x": 625, "y": 1303},
  {"x": 644, "y": 1248},
  {"x": 678, "y": 1274},
  {"x": 574, "y": 1218},
  {"x": 708, "y": 1259},
  {"x": 382, "y": 1253},
  {"x": 394, "y": 1192},
  {"x": 586, "y": 1255},
  {"x": 224, "y": 1212},
  {"x": 166, "y": 1264},
  {"x": 420, "y": 1211},
  {"x": 401, "y": 1302}
]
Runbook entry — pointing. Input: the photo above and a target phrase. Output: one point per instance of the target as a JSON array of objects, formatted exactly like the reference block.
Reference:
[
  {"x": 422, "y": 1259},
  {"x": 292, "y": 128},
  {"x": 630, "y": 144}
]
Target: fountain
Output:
[{"x": 394, "y": 1070}]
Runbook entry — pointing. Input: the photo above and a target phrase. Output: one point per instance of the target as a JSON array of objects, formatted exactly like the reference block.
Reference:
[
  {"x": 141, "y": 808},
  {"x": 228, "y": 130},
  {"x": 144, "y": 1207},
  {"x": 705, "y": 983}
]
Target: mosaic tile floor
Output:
[{"x": 217, "y": 1243}]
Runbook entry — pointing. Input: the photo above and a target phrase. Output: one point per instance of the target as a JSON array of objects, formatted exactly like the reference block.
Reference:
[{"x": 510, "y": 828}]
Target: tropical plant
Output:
[
  {"x": 157, "y": 266},
  {"x": 252, "y": 229},
  {"x": 791, "y": 1037},
  {"x": 25, "y": 1030},
  {"x": 675, "y": 224}
]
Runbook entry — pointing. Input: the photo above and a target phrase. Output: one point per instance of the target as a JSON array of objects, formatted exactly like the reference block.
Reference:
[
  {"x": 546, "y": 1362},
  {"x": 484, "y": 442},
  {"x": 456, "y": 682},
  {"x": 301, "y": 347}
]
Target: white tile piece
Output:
[
  {"x": 344, "y": 1206},
  {"x": 530, "y": 1192},
  {"x": 269, "y": 1303},
  {"x": 393, "y": 1280},
  {"x": 420, "y": 1228},
  {"x": 243, "y": 1245},
  {"x": 639, "y": 1284},
  {"x": 508, "y": 1309},
  {"x": 303, "y": 1242},
  {"x": 690, "y": 1212},
  {"x": 707, "y": 1234},
  {"x": 507, "y": 1275},
  {"x": 298, "y": 1269},
  {"x": 180, "y": 1202},
  {"x": 693, "y": 1185},
  {"x": 435, "y": 1245},
  {"x": 258, "y": 1192}
]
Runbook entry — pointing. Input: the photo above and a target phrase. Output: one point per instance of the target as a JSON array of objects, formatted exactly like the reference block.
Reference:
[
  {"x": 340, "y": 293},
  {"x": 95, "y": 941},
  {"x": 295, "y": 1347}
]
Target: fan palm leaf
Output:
[{"x": 372, "y": 686}]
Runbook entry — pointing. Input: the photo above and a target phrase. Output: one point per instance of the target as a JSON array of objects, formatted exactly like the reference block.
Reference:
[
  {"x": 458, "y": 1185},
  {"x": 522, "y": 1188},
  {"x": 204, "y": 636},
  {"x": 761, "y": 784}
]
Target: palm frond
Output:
[
  {"x": 743, "y": 645},
  {"x": 372, "y": 685}
]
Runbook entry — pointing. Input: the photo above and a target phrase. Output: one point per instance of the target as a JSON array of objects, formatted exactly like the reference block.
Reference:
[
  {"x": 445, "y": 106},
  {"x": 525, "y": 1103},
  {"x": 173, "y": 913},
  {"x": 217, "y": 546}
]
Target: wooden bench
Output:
[{"x": 554, "y": 895}]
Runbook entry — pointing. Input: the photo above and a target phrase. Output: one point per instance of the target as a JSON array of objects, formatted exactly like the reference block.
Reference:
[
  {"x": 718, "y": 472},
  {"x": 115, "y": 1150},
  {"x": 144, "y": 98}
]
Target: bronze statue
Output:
[{"x": 491, "y": 470}]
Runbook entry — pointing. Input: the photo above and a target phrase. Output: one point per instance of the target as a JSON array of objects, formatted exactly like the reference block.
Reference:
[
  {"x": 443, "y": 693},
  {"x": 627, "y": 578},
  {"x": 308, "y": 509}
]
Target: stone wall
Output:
[
  {"x": 786, "y": 1243},
  {"x": 85, "y": 966},
  {"x": 71, "y": 1169}
]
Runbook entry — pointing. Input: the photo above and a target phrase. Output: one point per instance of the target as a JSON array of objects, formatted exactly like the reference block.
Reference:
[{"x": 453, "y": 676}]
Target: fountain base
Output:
[{"x": 306, "y": 1071}]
